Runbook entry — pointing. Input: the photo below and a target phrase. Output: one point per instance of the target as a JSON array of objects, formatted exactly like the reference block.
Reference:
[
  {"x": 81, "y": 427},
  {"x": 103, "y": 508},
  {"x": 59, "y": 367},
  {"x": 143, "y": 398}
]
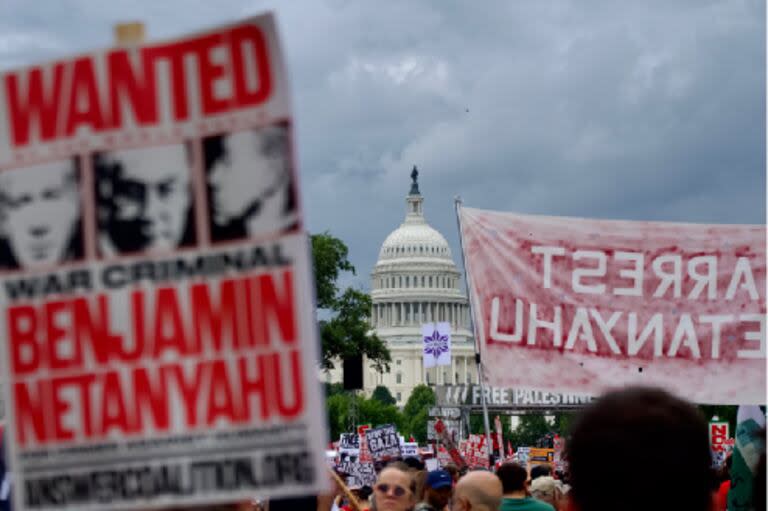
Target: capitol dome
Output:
[
  {"x": 415, "y": 239},
  {"x": 416, "y": 282}
]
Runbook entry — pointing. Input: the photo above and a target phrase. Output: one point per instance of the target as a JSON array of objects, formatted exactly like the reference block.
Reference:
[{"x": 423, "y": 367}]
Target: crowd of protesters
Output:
[{"x": 655, "y": 433}]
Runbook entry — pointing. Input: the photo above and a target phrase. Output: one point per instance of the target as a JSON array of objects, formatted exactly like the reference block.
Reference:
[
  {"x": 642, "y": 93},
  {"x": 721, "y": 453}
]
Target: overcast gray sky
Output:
[{"x": 644, "y": 110}]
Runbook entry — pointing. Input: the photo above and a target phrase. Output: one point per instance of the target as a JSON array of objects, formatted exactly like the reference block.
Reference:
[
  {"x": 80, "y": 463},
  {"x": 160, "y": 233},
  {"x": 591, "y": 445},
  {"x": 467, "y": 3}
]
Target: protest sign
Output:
[
  {"x": 541, "y": 456},
  {"x": 443, "y": 457},
  {"x": 446, "y": 439},
  {"x": 383, "y": 443},
  {"x": 365, "y": 455},
  {"x": 559, "y": 459},
  {"x": 522, "y": 455},
  {"x": 586, "y": 305},
  {"x": 476, "y": 451},
  {"x": 719, "y": 432},
  {"x": 452, "y": 426},
  {"x": 410, "y": 450},
  {"x": 361, "y": 474},
  {"x": 349, "y": 441},
  {"x": 159, "y": 341}
]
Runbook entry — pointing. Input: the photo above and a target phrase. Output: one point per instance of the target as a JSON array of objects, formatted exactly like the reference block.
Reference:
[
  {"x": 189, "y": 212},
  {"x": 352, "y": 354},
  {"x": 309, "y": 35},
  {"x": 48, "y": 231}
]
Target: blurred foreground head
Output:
[{"x": 652, "y": 431}]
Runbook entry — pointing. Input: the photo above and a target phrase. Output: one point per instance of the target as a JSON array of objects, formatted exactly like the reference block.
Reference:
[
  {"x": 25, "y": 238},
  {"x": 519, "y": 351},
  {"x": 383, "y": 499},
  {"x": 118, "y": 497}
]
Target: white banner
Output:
[{"x": 436, "y": 338}]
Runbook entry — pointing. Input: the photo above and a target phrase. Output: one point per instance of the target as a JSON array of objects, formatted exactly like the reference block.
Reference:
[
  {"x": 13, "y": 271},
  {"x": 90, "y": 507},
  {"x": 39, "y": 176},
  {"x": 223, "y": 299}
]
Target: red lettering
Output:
[
  {"x": 211, "y": 321},
  {"x": 257, "y": 323},
  {"x": 38, "y": 104},
  {"x": 137, "y": 86},
  {"x": 25, "y": 353},
  {"x": 174, "y": 53},
  {"x": 113, "y": 411},
  {"x": 252, "y": 36},
  {"x": 154, "y": 395},
  {"x": 189, "y": 389},
  {"x": 94, "y": 326},
  {"x": 84, "y": 382},
  {"x": 56, "y": 337},
  {"x": 169, "y": 329},
  {"x": 30, "y": 407},
  {"x": 84, "y": 107},
  {"x": 220, "y": 401},
  {"x": 138, "y": 322},
  {"x": 253, "y": 386},
  {"x": 295, "y": 384},
  {"x": 209, "y": 73},
  {"x": 279, "y": 306},
  {"x": 59, "y": 408}
]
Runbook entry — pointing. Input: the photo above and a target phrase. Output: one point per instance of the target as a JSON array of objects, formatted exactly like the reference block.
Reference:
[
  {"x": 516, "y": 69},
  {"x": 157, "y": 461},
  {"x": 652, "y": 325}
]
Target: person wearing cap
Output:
[
  {"x": 545, "y": 489},
  {"x": 438, "y": 491}
]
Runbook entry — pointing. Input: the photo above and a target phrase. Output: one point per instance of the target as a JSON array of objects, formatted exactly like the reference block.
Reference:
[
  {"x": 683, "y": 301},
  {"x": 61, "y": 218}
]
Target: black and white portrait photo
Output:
[
  {"x": 144, "y": 199},
  {"x": 250, "y": 186},
  {"x": 40, "y": 215}
]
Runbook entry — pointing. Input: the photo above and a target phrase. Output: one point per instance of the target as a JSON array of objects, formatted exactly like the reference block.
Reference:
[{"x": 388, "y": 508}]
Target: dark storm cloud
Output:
[{"x": 640, "y": 110}]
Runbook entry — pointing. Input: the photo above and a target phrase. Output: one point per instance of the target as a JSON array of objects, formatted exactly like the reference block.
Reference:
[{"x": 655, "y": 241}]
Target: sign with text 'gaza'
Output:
[
  {"x": 383, "y": 442},
  {"x": 157, "y": 332},
  {"x": 578, "y": 305}
]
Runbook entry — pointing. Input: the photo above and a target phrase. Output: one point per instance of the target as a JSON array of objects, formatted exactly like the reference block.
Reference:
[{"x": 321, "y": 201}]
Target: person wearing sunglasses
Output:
[{"x": 395, "y": 490}]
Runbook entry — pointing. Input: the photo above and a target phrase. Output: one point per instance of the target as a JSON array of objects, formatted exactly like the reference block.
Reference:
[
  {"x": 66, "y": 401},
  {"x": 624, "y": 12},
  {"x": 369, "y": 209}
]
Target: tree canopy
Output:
[
  {"x": 383, "y": 395},
  {"x": 346, "y": 331}
]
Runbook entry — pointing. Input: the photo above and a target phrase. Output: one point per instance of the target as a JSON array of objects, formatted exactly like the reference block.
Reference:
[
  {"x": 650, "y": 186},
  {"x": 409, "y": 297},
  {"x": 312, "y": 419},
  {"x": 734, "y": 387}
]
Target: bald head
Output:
[{"x": 481, "y": 489}]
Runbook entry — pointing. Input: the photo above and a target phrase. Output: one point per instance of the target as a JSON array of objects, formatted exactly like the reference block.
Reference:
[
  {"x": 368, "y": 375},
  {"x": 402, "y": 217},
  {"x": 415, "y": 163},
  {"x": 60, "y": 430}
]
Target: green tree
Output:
[
  {"x": 563, "y": 423},
  {"x": 383, "y": 395},
  {"x": 367, "y": 411},
  {"x": 416, "y": 411},
  {"x": 346, "y": 332},
  {"x": 532, "y": 427}
]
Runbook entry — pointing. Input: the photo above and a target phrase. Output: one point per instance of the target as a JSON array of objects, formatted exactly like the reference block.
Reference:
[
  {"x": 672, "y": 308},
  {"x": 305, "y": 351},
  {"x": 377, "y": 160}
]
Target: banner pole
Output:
[{"x": 478, "y": 360}]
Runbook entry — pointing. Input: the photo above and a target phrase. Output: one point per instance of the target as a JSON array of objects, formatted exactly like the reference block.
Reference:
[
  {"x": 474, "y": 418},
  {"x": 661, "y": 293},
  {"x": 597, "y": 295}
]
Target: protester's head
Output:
[
  {"x": 438, "y": 488},
  {"x": 544, "y": 488},
  {"x": 395, "y": 490},
  {"x": 540, "y": 471},
  {"x": 414, "y": 463},
  {"x": 644, "y": 425},
  {"x": 40, "y": 214},
  {"x": 479, "y": 491},
  {"x": 513, "y": 477},
  {"x": 144, "y": 199},
  {"x": 452, "y": 469}
]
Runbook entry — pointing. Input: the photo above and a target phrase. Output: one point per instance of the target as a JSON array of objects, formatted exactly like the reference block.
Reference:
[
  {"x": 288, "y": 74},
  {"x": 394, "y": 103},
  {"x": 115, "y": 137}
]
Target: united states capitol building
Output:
[{"x": 416, "y": 281}]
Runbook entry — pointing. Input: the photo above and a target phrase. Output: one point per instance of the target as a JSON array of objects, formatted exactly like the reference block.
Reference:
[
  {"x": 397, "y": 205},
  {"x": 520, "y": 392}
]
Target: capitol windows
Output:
[
  {"x": 400, "y": 280},
  {"x": 399, "y": 397},
  {"x": 399, "y": 378},
  {"x": 422, "y": 281},
  {"x": 430, "y": 281},
  {"x": 398, "y": 362}
]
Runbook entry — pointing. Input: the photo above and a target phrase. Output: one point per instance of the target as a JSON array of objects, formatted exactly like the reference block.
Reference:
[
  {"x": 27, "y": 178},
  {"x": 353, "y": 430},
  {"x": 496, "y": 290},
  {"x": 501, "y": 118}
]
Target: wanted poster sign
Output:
[
  {"x": 157, "y": 336},
  {"x": 383, "y": 442},
  {"x": 582, "y": 305}
]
